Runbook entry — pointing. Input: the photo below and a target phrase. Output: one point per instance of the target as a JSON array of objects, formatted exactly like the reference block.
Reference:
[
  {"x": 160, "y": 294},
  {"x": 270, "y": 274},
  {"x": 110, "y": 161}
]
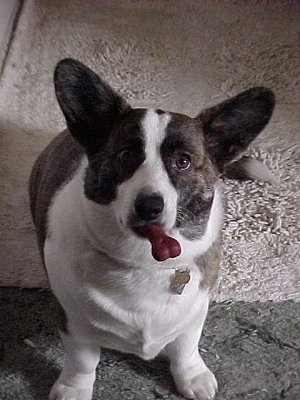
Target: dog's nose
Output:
[{"x": 149, "y": 207}]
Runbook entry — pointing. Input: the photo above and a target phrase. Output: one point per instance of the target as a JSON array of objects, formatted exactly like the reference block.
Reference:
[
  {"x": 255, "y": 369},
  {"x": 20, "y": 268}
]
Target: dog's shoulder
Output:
[
  {"x": 54, "y": 167},
  {"x": 209, "y": 264}
]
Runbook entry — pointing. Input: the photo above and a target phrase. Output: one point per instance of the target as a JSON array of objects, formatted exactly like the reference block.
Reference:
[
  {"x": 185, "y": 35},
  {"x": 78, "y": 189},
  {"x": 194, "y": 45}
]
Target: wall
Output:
[{"x": 8, "y": 12}]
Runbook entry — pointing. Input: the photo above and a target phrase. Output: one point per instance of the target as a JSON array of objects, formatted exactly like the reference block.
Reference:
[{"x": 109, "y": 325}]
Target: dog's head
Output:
[{"x": 156, "y": 169}]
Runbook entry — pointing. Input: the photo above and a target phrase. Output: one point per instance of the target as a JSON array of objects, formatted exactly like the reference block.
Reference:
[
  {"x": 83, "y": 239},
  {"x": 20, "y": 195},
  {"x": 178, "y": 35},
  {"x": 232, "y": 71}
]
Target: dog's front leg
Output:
[
  {"x": 192, "y": 377},
  {"x": 78, "y": 375}
]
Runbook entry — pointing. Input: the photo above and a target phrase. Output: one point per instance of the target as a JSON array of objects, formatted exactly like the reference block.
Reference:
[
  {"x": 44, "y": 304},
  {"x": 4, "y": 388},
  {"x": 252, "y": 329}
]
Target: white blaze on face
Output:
[{"x": 151, "y": 175}]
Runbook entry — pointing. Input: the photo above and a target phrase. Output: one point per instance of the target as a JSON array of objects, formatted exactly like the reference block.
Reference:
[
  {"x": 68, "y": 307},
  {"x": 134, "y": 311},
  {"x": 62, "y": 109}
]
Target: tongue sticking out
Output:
[{"x": 163, "y": 246}]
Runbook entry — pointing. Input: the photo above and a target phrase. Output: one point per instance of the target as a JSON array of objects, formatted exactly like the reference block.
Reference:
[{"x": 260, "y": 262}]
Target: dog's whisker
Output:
[{"x": 185, "y": 216}]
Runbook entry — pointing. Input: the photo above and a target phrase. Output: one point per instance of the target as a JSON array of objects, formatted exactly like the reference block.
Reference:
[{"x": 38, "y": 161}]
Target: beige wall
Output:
[{"x": 8, "y": 12}]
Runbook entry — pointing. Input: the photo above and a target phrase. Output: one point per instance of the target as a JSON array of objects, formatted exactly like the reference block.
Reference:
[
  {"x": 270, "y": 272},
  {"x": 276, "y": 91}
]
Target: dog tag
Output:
[{"x": 179, "y": 280}]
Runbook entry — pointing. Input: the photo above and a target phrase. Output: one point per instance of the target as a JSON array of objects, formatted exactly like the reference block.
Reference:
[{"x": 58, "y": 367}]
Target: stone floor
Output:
[{"x": 254, "y": 350}]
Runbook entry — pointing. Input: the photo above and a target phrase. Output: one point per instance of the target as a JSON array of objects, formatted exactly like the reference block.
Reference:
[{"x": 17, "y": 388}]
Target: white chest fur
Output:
[
  {"x": 136, "y": 310},
  {"x": 127, "y": 309}
]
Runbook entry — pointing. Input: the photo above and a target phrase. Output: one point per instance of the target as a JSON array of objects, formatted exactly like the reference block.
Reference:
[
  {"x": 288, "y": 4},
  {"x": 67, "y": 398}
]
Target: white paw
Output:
[
  {"x": 60, "y": 391},
  {"x": 200, "y": 387}
]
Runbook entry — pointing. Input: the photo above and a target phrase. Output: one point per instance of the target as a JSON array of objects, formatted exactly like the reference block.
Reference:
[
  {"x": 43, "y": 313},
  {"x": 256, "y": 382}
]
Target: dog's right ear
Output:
[{"x": 90, "y": 106}]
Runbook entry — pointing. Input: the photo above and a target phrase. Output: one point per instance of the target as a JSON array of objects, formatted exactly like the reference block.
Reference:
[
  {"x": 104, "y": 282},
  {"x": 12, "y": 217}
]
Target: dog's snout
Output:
[{"x": 149, "y": 207}]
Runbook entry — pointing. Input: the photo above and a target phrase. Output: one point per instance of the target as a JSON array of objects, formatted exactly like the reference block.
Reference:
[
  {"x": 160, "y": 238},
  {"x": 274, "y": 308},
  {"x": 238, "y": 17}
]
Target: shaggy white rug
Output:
[{"x": 177, "y": 55}]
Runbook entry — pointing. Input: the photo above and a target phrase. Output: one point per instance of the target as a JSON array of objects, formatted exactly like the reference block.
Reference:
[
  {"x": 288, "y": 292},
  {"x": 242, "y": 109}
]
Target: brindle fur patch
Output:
[
  {"x": 209, "y": 264},
  {"x": 62, "y": 157},
  {"x": 195, "y": 186}
]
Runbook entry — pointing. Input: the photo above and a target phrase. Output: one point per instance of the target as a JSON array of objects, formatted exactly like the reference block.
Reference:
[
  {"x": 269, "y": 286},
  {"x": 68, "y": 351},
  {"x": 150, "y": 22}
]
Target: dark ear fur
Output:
[
  {"x": 89, "y": 105},
  {"x": 229, "y": 127}
]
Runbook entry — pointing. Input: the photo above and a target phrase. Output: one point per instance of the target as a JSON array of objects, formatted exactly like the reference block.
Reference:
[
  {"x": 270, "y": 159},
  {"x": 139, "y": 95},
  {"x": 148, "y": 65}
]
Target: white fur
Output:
[
  {"x": 114, "y": 293},
  {"x": 256, "y": 170}
]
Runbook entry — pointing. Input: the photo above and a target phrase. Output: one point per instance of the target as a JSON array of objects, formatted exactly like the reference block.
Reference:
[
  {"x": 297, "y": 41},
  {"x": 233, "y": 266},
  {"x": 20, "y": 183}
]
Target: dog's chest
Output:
[{"x": 141, "y": 314}]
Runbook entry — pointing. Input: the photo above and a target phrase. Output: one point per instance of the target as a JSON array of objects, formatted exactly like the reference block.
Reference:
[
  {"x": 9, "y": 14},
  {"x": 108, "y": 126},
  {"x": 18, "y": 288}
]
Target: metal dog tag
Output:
[{"x": 179, "y": 280}]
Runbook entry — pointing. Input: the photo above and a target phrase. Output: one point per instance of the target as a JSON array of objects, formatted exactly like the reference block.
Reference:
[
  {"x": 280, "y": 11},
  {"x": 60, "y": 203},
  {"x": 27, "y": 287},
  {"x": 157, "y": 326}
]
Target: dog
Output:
[{"x": 127, "y": 205}]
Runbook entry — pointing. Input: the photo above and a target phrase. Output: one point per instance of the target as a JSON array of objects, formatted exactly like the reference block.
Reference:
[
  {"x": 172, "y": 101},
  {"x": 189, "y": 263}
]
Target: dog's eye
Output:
[
  {"x": 125, "y": 157},
  {"x": 183, "y": 161}
]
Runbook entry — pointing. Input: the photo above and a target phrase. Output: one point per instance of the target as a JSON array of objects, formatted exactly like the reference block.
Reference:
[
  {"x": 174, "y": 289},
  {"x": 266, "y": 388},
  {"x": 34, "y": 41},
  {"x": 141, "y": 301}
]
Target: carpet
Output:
[{"x": 174, "y": 55}]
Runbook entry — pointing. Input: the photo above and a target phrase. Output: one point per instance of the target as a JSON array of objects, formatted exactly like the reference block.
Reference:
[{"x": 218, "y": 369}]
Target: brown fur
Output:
[
  {"x": 209, "y": 264},
  {"x": 184, "y": 135},
  {"x": 63, "y": 154}
]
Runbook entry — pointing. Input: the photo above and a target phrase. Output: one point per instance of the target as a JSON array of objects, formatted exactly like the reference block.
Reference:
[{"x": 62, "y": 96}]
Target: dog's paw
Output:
[
  {"x": 200, "y": 387},
  {"x": 62, "y": 392}
]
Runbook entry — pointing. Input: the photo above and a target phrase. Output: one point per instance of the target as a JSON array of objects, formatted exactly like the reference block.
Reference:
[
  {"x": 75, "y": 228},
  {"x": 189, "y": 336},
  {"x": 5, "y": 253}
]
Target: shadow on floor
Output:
[{"x": 252, "y": 348}]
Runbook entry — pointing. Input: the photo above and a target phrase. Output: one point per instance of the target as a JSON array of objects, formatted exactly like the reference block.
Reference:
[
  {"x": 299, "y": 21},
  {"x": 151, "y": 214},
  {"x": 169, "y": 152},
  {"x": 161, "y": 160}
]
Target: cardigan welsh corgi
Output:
[{"x": 127, "y": 205}]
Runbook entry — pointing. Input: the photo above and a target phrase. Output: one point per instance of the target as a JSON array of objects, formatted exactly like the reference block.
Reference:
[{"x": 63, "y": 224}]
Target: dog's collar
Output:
[{"x": 179, "y": 280}]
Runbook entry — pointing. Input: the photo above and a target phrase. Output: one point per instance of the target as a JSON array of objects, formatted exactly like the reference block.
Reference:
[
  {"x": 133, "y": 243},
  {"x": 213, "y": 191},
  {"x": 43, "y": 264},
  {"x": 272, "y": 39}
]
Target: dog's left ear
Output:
[{"x": 230, "y": 126}]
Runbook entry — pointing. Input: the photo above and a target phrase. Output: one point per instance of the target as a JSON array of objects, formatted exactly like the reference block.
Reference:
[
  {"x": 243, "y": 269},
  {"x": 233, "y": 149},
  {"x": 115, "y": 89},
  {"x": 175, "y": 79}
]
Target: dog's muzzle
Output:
[{"x": 146, "y": 223}]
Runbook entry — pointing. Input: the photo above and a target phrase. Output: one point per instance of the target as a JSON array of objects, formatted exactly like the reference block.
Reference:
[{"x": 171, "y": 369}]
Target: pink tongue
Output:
[{"x": 163, "y": 246}]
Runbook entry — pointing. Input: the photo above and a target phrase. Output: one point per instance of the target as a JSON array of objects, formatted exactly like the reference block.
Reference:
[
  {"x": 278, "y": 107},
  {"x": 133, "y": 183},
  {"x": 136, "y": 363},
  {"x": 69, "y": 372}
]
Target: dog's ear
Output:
[
  {"x": 90, "y": 106},
  {"x": 229, "y": 127}
]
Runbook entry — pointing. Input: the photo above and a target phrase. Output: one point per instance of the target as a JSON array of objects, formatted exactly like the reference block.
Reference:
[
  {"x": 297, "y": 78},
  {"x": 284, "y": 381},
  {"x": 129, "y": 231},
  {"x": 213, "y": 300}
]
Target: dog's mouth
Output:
[{"x": 163, "y": 246}]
